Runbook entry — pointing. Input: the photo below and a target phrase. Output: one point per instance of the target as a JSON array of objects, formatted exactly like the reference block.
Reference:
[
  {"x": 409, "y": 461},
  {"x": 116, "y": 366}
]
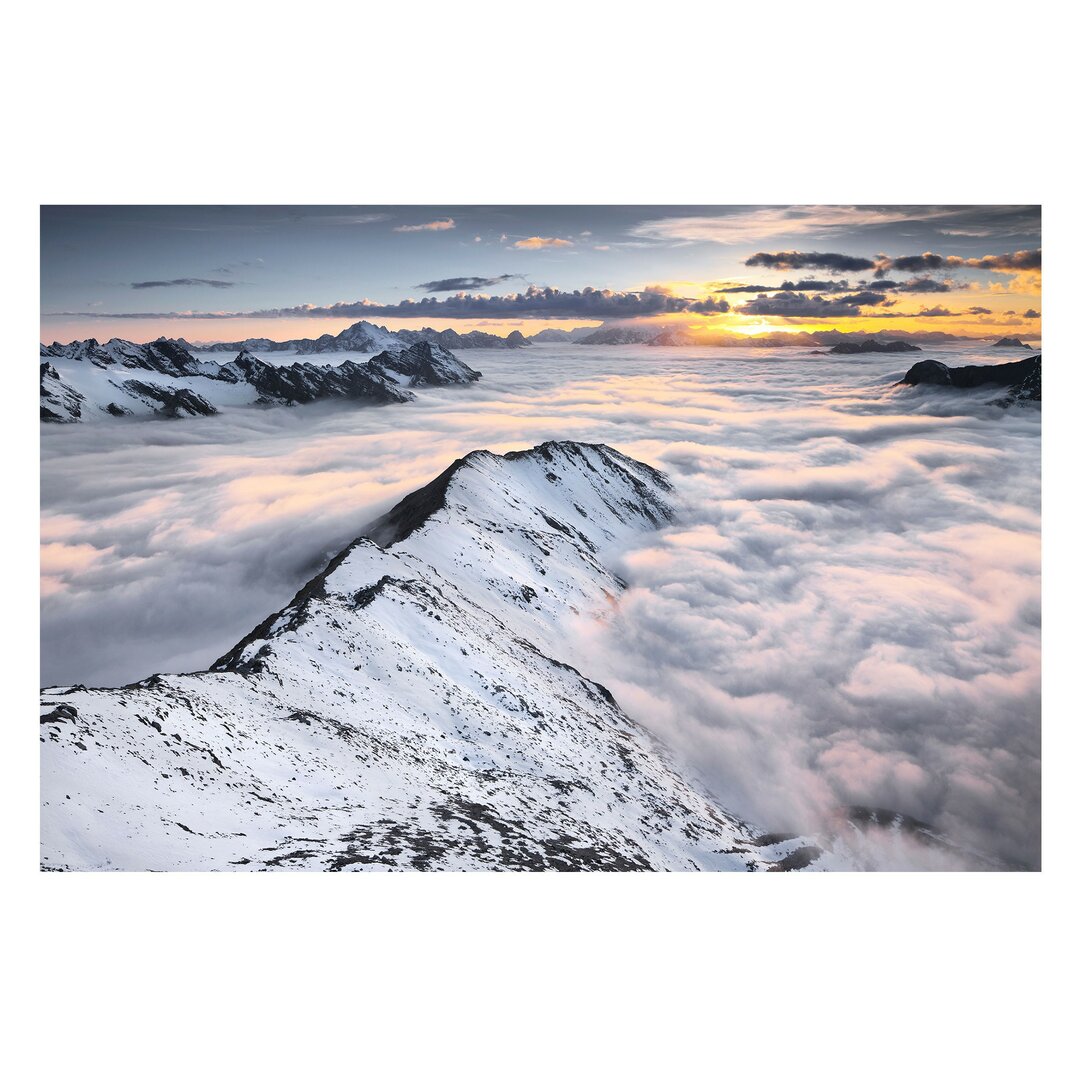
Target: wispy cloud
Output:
[
  {"x": 213, "y": 283},
  {"x": 533, "y": 243},
  {"x": 463, "y": 284},
  {"x": 428, "y": 226},
  {"x": 752, "y": 225}
]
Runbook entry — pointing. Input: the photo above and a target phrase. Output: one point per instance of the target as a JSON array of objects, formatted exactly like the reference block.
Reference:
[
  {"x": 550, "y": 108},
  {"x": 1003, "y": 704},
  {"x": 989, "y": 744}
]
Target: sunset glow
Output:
[{"x": 724, "y": 270}]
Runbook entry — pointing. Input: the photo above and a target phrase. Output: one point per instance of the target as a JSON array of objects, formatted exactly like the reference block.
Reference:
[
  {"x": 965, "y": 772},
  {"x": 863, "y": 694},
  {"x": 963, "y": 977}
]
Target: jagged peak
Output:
[{"x": 418, "y": 507}]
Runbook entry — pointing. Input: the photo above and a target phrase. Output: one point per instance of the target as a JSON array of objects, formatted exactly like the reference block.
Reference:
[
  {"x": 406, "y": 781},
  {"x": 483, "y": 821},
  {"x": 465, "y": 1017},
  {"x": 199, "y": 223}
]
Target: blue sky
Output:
[{"x": 140, "y": 271}]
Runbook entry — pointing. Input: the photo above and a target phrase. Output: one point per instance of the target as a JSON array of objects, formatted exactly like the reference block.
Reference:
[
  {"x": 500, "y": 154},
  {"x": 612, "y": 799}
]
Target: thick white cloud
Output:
[{"x": 847, "y": 611}]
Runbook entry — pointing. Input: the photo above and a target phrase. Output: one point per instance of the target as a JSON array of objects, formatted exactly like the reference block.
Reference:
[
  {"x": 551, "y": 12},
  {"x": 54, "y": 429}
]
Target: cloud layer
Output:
[
  {"x": 847, "y": 610},
  {"x": 542, "y": 302}
]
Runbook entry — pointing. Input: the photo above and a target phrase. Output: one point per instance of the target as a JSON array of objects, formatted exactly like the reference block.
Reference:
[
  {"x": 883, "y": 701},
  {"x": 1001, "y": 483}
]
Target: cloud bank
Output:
[{"x": 536, "y": 301}]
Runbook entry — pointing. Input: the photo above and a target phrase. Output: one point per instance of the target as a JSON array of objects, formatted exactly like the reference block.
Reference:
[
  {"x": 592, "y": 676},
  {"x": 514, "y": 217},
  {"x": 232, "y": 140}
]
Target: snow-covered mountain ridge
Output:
[
  {"x": 86, "y": 380},
  {"x": 364, "y": 336},
  {"x": 411, "y": 708}
]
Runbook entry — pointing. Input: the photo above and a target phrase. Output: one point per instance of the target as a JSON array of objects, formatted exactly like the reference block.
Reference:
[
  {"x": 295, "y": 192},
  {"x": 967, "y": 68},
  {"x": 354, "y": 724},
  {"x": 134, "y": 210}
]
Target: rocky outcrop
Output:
[
  {"x": 870, "y": 345},
  {"x": 1021, "y": 378}
]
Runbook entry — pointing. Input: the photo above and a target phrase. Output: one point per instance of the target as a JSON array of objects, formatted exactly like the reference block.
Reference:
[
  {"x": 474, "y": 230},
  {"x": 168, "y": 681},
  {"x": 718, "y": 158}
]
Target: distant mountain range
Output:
[
  {"x": 87, "y": 381},
  {"x": 365, "y": 337},
  {"x": 556, "y": 336},
  {"x": 872, "y": 345},
  {"x": 677, "y": 336}
]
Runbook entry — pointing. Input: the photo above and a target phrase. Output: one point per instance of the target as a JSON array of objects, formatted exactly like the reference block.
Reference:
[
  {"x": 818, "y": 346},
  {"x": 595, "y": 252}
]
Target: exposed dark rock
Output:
[
  {"x": 172, "y": 401},
  {"x": 870, "y": 345},
  {"x": 1023, "y": 378}
]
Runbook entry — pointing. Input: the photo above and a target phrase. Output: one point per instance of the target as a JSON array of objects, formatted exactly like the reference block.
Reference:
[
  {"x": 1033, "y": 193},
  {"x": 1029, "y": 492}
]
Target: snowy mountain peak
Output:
[
  {"x": 409, "y": 709},
  {"x": 86, "y": 380}
]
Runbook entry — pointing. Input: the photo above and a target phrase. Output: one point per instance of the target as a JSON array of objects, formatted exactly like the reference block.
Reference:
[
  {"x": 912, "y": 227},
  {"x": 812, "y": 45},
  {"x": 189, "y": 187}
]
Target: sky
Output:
[
  {"x": 213, "y": 273},
  {"x": 847, "y": 609}
]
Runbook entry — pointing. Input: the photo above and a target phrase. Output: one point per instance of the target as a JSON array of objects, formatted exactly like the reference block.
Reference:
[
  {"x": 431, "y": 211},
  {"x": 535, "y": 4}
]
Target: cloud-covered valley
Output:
[{"x": 846, "y": 612}]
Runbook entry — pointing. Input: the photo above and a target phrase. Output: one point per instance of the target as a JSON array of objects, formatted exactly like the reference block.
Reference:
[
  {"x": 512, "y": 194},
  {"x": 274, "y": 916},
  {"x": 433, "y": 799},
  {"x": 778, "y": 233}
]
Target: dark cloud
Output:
[
  {"x": 803, "y": 306},
  {"x": 214, "y": 283},
  {"x": 810, "y": 260},
  {"x": 929, "y": 260},
  {"x": 867, "y": 298},
  {"x": 463, "y": 284},
  {"x": 1031, "y": 313},
  {"x": 915, "y": 285},
  {"x": 936, "y": 312},
  {"x": 979, "y": 311},
  {"x": 849, "y": 306},
  {"x": 1018, "y": 260},
  {"x": 535, "y": 302},
  {"x": 805, "y": 285},
  {"x": 839, "y": 285}
]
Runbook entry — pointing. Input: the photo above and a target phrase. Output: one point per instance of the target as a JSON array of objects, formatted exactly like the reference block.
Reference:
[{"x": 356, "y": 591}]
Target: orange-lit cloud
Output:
[
  {"x": 534, "y": 242},
  {"x": 428, "y": 226}
]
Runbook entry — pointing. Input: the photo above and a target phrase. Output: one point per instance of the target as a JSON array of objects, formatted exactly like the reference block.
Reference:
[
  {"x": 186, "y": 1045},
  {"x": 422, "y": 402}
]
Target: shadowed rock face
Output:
[
  {"x": 1023, "y": 378},
  {"x": 1011, "y": 343},
  {"x": 170, "y": 401},
  {"x": 60, "y": 404},
  {"x": 872, "y": 346}
]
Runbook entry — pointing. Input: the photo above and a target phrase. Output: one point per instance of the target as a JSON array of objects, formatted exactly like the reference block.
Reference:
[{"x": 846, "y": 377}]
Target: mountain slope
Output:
[
  {"x": 411, "y": 708},
  {"x": 87, "y": 381}
]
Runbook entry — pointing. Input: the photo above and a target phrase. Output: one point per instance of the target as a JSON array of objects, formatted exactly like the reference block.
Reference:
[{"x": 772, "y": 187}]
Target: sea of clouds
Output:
[{"x": 847, "y": 611}]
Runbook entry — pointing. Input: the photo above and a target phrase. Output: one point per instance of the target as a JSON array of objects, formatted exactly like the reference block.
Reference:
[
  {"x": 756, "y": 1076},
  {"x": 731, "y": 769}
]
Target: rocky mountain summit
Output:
[{"x": 85, "y": 380}]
